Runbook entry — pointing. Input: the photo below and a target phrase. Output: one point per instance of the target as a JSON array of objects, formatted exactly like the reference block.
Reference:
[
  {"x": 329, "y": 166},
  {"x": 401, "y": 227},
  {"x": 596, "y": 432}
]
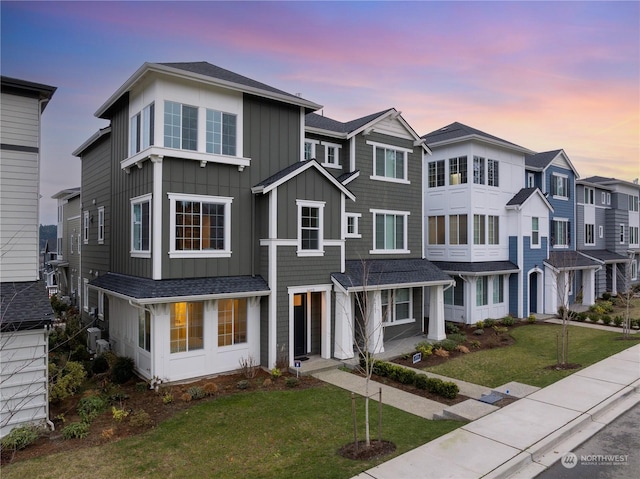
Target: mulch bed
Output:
[{"x": 361, "y": 452}]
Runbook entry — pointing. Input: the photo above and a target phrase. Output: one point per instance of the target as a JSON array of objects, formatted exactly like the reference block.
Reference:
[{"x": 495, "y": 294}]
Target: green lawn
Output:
[
  {"x": 526, "y": 360},
  {"x": 285, "y": 434}
]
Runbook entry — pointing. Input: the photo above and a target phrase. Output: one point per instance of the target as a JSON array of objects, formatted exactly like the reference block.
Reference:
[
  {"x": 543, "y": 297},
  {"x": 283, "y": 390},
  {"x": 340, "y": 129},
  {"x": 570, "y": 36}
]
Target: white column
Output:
[
  {"x": 588, "y": 287},
  {"x": 436, "y": 313},
  {"x": 343, "y": 344},
  {"x": 374, "y": 323},
  {"x": 156, "y": 218},
  {"x": 325, "y": 326}
]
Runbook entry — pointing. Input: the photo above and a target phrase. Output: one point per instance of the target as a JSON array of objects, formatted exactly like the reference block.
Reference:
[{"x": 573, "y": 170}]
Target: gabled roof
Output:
[
  {"x": 601, "y": 180},
  {"x": 347, "y": 178},
  {"x": 605, "y": 256},
  {"x": 91, "y": 141},
  {"x": 570, "y": 260},
  {"x": 595, "y": 184},
  {"x": 540, "y": 161},
  {"x": 377, "y": 273},
  {"x": 24, "y": 306},
  {"x": 457, "y": 132},
  {"x": 207, "y": 73},
  {"x": 294, "y": 170},
  {"x": 481, "y": 268},
  {"x": 67, "y": 194},
  {"x": 29, "y": 89},
  {"x": 522, "y": 196},
  {"x": 148, "y": 291}
]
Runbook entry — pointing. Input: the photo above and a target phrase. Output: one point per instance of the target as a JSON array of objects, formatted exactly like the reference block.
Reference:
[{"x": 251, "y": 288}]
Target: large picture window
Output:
[
  {"x": 180, "y": 126},
  {"x": 141, "y": 225},
  {"x": 232, "y": 321},
  {"x": 390, "y": 231},
  {"x": 187, "y": 326},
  {"x": 396, "y": 306},
  {"x": 390, "y": 163},
  {"x": 221, "y": 133}
]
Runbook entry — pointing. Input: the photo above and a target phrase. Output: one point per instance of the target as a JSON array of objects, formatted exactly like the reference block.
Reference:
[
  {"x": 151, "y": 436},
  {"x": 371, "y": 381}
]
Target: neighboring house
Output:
[
  {"x": 617, "y": 226},
  {"x": 25, "y": 311},
  {"x": 569, "y": 276},
  {"x": 66, "y": 265}
]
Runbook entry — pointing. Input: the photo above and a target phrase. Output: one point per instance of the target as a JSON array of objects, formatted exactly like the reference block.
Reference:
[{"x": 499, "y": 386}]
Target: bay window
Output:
[
  {"x": 436, "y": 173},
  {"x": 479, "y": 229},
  {"x": 458, "y": 170},
  {"x": 478, "y": 170},
  {"x": 220, "y": 133},
  {"x": 493, "y": 173},
  {"x": 457, "y": 229},
  {"x": 180, "y": 126}
]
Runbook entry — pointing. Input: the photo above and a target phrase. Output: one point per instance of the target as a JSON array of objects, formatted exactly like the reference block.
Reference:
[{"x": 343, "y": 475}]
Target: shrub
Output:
[
  {"x": 475, "y": 344},
  {"x": 606, "y": 306},
  {"x": 459, "y": 338},
  {"x": 490, "y": 323},
  {"x": 508, "y": 321},
  {"x": 122, "y": 370},
  {"x": 197, "y": 392},
  {"x": 75, "y": 430},
  {"x": 100, "y": 364},
  {"x": 531, "y": 318},
  {"x": 606, "y": 296},
  {"x": 210, "y": 389},
  {"x": 594, "y": 317},
  {"x": 107, "y": 434},
  {"x": 447, "y": 344},
  {"x": 167, "y": 398},
  {"x": 421, "y": 381},
  {"x": 276, "y": 373},
  {"x": 186, "y": 397},
  {"x": 65, "y": 381},
  {"x": 80, "y": 353},
  {"x": 463, "y": 349},
  {"x": 480, "y": 324},
  {"x": 478, "y": 332},
  {"x": 249, "y": 367},
  {"x": 406, "y": 376},
  {"x": 19, "y": 438},
  {"x": 606, "y": 319},
  {"x": 116, "y": 394},
  {"x": 91, "y": 407},
  {"x": 141, "y": 386},
  {"x": 618, "y": 320},
  {"x": 140, "y": 418},
  {"x": 292, "y": 382},
  {"x": 448, "y": 390},
  {"x": 581, "y": 317},
  {"x": 243, "y": 384},
  {"x": 441, "y": 353},
  {"x": 500, "y": 330},
  {"x": 425, "y": 348},
  {"x": 118, "y": 413},
  {"x": 451, "y": 328}
]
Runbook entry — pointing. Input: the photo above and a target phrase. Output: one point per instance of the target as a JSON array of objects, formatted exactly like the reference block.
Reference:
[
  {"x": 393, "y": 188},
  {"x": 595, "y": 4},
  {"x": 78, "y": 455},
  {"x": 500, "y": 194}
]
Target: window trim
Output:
[
  {"x": 535, "y": 244},
  {"x": 101, "y": 225},
  {"x": 389, "y": 317},
  {"x": 233, "y": 322},
  {"x": 141, "y": 129},
  {"x": 319, "y": 205},
  {"x": 634, "y": 270},
  {"x": 601, "y": 231},
  {"x": 436, "y": 175},
  {"x": 484, "y": 282},
  {"x": 621, "y": 233},
  {"x": 458, "y": 230},
  {"x": 85, "y": 294},
  {"x": 481, "y": 176},
  {"x": 531, "y": 180},
  {"x": 312, "y": 152},
  {"x": 405, "y": 215},
  {"x": 589, "y": 196},
  {"x": 568, "y": 233},
  {"x": 493, "y": 173},
  {"x": 138, "y": 200},
  {"x": 327, "y": 147},
  {"x": 462, "y": 177},
  {"x": 356, "y": 217},
  {"x": 187, "y": 327},
  {"x": 482, "y": 230},
  {"x": 436, "y": 220},
  {"x": 101, "y": 305},
  {"x": 144, "y": 332},
  {"x": 499, "y": 290},
  {"x": 224, "y": 200},
  {"x": 634, "y": 232},
  {"x": 405, "y": 151},
  {"x": 222, "y": 136},
  {"x": 181, "y": 127},
  {"x": 493, "y": 230},
  {"x": 85, "y": 227},
  {"x": 586, "y": 234},
  {"x": 564, "y": 179}
]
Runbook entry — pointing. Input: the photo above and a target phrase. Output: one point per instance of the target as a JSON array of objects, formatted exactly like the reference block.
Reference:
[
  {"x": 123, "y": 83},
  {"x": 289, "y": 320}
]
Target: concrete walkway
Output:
[{"x": 520, "y": 440}]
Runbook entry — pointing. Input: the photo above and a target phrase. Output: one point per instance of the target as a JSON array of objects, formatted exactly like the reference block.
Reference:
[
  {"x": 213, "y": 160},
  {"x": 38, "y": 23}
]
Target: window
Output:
[
  {"x": 589, "y": 234},
  {"x": 141, "y": 224},
  {"x": 608, "y": 198},
  {"x": 455, "y": 295},
  {"x": 603, "y": 198},
  {"x": 310, "y": 227},
  {"x": 353, "y": 220},
  {"x": 187, "y": 327},
  {"x": 180, "y": 126},
  {"x": 493, "y": 225},
  {"x": 621, "y": 234},
  {"x": 390, "y": 163},
  {"x": 560, "y": 229},
  {"x": 85, "y": 228},
  {"x": 531, "y": 180},
  {"x": 436, "y": 173},
  {"x": 634, "y": 270},
  {"x": 479, "y": 235},
  {"x": 144, "y": 330},
  {"x": 633, "y": 235},
  {"x": 478, "y": 170},
  {"x": 396, "y": 306},
  {"x": 390, "y": 231},
  {"x": 78, "y": 238},
  {"x": 436, "y": 230},
  {"x": 310, "y": 149},
  {"x": 559, "y": 186},
  {"x": 232, "y": 321},
  {"x": 70, "y": 245},
  {"x": 633, "y": 203},
  {"x": 220, "y": 133},
  {"x": 535, "y": 231},
  {"x": 600, "y": 231},
  {"x": 100, "y": 304},
  {"x": 493, "y": 176},
  {"x": 458, "y": 170},
  {"x": 331, "y": 155},
  {"x": 79, "y": 289},
  {"x": 589, "y": 196},
  {"x": 498, "y": 289},
  {"x": 72, "y": 284},
  {"x": 482, "y": 291},
  {"x": 200, "y": 226},
  {"x": 101, "y": 225},
  {"x": 142, "y": 129},
  {"x": 457, "y": 229},
  {"x": 85, "y": 293}
]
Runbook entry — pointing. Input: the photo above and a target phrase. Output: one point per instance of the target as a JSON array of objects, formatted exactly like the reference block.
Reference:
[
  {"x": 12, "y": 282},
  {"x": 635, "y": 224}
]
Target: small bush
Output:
[
  {"x": 606, "y": 296},
  {"x": 443, "y": 353},
  {"x": 243, "y": 384},
  {"x": 249, "y": 367},
  {"x": 606, "y": 319},
  {"x": 421, "y": 381},
  {"x": 618, "y": 320},
  {"x": 107, "y": 434},
  {"x": 167, "y": 398},
  {"x": 531, "y": 319},
  {"x": 508, "y": 321},
  {"x": 407, "y": 376},
  {"x": 606, "y": 306},
  {"x": 490, "y": 323},
  {"x": 479, "y": 332},
  {"x": 91, "y": 407},
  {"x": 140, "y": 418},
  {"x": 594, "y": 317},
  {"x": 116, "y": 395},
  {"x": 425, "y": 348},
  {"x": 447, "y": 344},
  {"x": 75, "y": 430},
  {"x": 459, "y": 338},
  {"x": 118, "y": 413},
  {"x": 480, "y": 324},
  {"x": 276, "y": 373},
  {"x": 463, "y": 349},
  {"x": 210, "y": 389},
  {"x": 142, "y": 386},
  {"x": 292, "y": 382},
  {"x": 451, "y": 328},
  {"x": 65, "y": 381},
  {"x": 122, "y": 370},
  {"x": 581, "y": 317},
  {"x": 500, "y": 330},
  {"x": 197, "y": 392},
  {"x": 448, "y": 390},
  {"x": 475, "y": 344},
  {"x": 186, "y": 397},
  {"x": 100, "y": 364},
  {"x": 19, "y": 438}
]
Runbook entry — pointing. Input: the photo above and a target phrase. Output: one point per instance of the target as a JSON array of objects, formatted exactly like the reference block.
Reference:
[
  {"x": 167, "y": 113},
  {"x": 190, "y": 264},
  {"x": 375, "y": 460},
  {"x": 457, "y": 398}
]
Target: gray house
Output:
[{"x": 210, "y": 238}]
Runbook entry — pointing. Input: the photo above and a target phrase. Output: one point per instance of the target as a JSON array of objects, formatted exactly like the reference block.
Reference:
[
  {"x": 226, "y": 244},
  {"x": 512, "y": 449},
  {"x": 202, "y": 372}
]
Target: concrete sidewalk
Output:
[{"x": 522, "y": 439}]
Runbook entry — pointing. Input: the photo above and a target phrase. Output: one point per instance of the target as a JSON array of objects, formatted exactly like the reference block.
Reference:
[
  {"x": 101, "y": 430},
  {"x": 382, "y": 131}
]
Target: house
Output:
[
  {"x": 569, "y": 275},
  {"x": 25, "y": 311},
  {"x": 65, "y": 267},
  {"x": 208, "y": 238},
  {"x": 608, "y": 214}
]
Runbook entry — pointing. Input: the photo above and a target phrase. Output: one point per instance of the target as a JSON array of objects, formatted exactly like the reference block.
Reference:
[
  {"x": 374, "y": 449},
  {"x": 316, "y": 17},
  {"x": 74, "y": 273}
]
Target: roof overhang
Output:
[
  {"x": 92, "y": 139},
  {"x": 482, "y": 139}
]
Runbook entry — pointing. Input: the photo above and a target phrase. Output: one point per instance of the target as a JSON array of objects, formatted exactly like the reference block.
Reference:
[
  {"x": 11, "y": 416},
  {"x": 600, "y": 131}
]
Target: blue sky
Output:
[{"x": 544, "y": 75}]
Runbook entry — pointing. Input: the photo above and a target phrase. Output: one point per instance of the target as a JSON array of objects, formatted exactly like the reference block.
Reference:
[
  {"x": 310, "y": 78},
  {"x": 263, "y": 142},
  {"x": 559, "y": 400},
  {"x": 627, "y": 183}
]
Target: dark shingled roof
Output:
[
  {"x": 380, "y": 272},
  {"x": 570, "y": 260},
  {"x": 282, "y": 173},
  {"x": 459, "y": 130},
  {"x": 145, "y": 288},
  {"x": 325, "y": 123},
  {"x": 344, "y": 177},
  {"x": 476, "y": 267},
  {"x": 24, "y": 306},
  {"x": 207, "y": 69},
  {"x": 605, "y": 255},
  {"x": 540, "y": 160},
  {"x": 521, "y": 196}
]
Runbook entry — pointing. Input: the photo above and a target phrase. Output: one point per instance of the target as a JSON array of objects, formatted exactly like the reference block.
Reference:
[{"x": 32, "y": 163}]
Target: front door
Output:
[
  {"x": 299, "y": 324},
  {"x": 533, "y": 293}
]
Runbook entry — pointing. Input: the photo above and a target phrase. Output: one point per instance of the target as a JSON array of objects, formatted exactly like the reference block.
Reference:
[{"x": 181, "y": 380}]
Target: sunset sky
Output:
[{"x": 544, "y": 75}]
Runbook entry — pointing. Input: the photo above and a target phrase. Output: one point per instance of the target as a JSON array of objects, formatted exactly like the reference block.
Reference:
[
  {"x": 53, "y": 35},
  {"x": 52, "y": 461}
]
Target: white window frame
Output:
[
  {"x": 557, "y": 178},
  {"x": 481, "y": 237},
  {"x": 634, "y": 203},
  {"x": 134, "y": 252},
  {"x": 405, "y": 215},
  {"x": 212, "y": 144},
  {"x": 621, "y": 233},
  {"x": 634, "y": 270},
  {"x": 405, "y": 161},
  {"x": 498, "y": 289},
  {"x": 71, "y": 244},
  {"x": 312, "y": 150},
  {"x": 493, "y": 172},
  {"x": 601, "y": 231},
  {"x": 587, "y": 236},
  {"x": 555, "y": 238},
  {"x": 456, "y": 232},
  {"x": 457, "y": 177},
  {"x": 101, "y": 305},
  {"x": 633, "y": 235},
  {"x": 144, "y": 330},
  {"x": 79, "y": 241},
  {"x": 480, "y": 177},
  {"x": 356, "y": 225},
  {"x": 223, "y": 253},
  {"x": 437, "y": 230},
  {"x": 603, "y": 197},
  {"x": 493, "y": 230},
  {"x": 589, "y": 196},
  {"x": 181, "y": 138},
  {"x": 336, "y": 149},
  {"x": 79, "y": 288},
  {"x": 531, "y": 180},
  {"x": 482, "y": 291},
  {"x": 235, "y": 311},
  {"x": 101, "y": 225},
  {"x": 319, "y": 205},
  {"x": 390, "y": 315},
  {"x": 438, "y": 169},
  {"x": 85, "y": 228},
  {"x": 535, "y": 229},
  {"x": 85, "y": 294},
  {"x": 141, "y": 129},
  {"x": 608, "y": 198}
]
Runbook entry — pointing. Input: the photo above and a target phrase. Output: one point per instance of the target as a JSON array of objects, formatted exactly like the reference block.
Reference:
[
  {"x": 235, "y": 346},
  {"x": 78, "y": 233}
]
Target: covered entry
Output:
[{"x": 309, "y": 330}]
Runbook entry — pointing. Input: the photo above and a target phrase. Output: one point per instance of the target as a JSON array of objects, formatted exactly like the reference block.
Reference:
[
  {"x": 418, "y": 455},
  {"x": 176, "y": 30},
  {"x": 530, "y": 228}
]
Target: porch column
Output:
[
  {"x": 588, "y": 287},
  {"x": 374, "y": 323},
  {"x": 343, "y": 341},
  {"x": 436, "y": 313},
  {"x": 325, "y": 326}
]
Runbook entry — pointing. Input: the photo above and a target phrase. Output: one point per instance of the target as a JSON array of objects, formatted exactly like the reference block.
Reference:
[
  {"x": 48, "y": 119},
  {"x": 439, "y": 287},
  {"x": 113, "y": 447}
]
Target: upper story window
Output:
[
  {"x": 634, "y": 270},
  {"x": 458, "y": 170},
  {"x": 621, "y": 234},
  {"x": 71, "y": 240},
  {"x": 608, "y": 198},
  {"x": 535, "y": 231},
  {"x": 493, "y": 225},
  {"x": 458, "y": 229},
  {"x": 479, "y": 229},
  {"x": 589, "y": 196},
  {"x": 390, "y": 231},
  {"x": 85, "y": 293},
  {"x": 142, "y": 128},
  {"x": 633, "y": 235},
  {"x": 493, "y": 169},
  {"x": 232, "y": 321},
  {"x": 559, "y": 186},
  {"x": 310, "y": 149},
  {"x": 498, "y": 289},
  {"x": 436, "y": 230},
  {"x": 200, "y": 226},
  {"x": 221, "y": 133},
  {"x": 600, "y": 231},
  {"x": 85, "y": 228},
  {"x": 436, "y": 173},
  {"x": 141, "y": 226},
  {"x": 101, "y": 225},
  {"x": 560, "y": 232},
  {"x": 331, "y": 155},
  {"x": 633, "y": 203},
  {"x": 390, "y": 163},
  {"x": 180, "y": 126},
  {"x": 531, "y": 180},
  {"x": 396, "y": 306},
  {"x": 589, "y": 234},
  {"x": 187, "y": 326},
  {"x": 353, "y": 227},
  {"x": 310, "y": 228},
  {"x": 478, "y": 170}
]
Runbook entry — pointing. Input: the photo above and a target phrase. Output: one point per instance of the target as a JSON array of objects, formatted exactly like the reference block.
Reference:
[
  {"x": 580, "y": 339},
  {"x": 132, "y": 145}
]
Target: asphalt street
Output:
[{"x": 614, "y": 452}]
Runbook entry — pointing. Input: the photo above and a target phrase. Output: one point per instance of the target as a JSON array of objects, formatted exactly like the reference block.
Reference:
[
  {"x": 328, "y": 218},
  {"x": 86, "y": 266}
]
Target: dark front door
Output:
[
  {"x": 533, "y": 293},
  {"x": 299, "y": 324}
]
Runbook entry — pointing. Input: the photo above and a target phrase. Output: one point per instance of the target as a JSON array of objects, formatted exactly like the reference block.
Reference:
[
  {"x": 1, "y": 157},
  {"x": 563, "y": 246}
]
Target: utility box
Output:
[{"x": 93, "y": 335}]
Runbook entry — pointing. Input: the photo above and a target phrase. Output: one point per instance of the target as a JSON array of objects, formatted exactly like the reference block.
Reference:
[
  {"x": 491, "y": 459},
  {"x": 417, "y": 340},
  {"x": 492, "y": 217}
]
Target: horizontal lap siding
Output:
[{"x": 19, "y": 120}]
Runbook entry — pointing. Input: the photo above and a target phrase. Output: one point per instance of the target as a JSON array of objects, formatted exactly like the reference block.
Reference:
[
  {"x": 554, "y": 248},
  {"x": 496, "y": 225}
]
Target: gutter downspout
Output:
[{"x": 153, "y": 384}]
